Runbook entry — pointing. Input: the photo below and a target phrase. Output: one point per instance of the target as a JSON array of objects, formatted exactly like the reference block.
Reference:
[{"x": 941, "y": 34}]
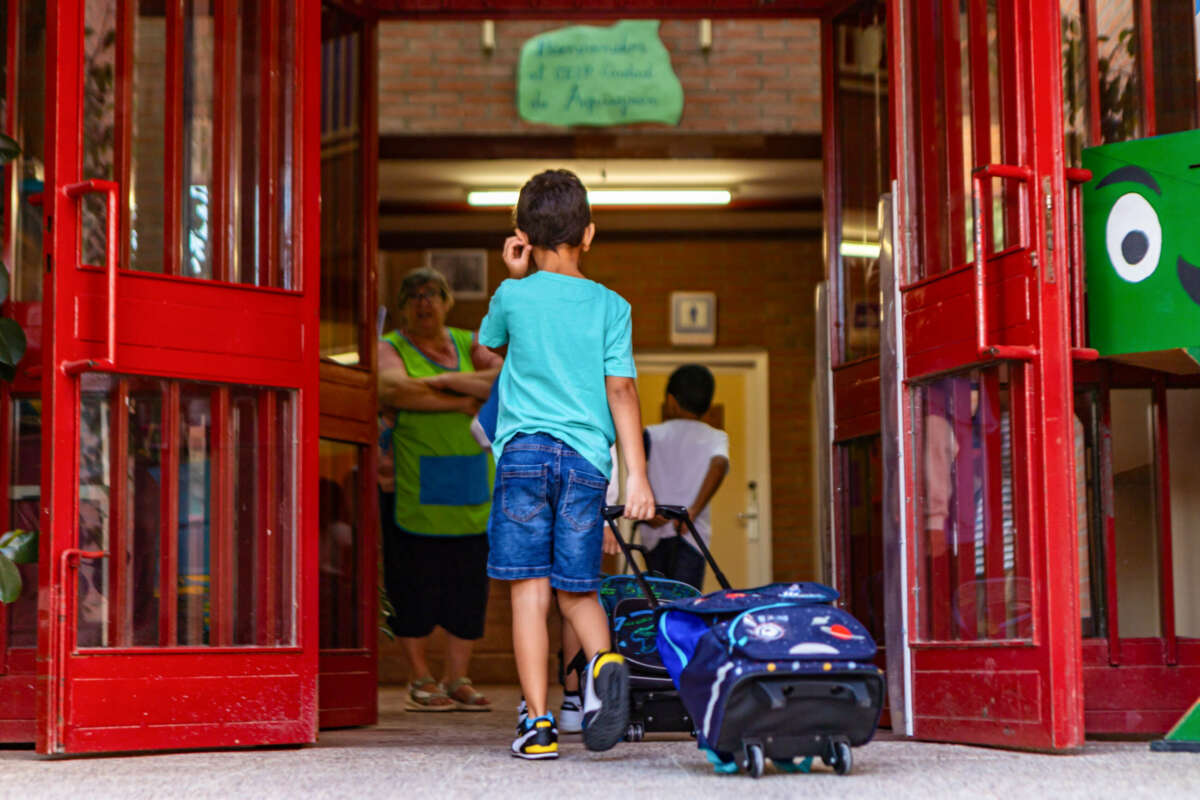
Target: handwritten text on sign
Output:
[{"x": 586, "y": 75}]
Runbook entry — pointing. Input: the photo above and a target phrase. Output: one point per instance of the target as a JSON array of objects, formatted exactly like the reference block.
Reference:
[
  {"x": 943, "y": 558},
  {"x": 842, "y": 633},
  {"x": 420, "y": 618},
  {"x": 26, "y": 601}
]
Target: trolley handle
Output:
[{"x": 611, "y": 513}]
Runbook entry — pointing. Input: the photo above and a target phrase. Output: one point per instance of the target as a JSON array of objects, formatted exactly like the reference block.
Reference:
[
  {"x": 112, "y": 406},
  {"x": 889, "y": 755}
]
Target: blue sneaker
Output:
[{"x": 536, "y": 738}]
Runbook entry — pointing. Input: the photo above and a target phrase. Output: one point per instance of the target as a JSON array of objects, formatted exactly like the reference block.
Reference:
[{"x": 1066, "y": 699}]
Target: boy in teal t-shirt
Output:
[{"x": 566, "y": 390}]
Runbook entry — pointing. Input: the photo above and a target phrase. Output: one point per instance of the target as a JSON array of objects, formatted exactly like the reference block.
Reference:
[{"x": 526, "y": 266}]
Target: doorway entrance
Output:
[{"x": 741, "y": 509}]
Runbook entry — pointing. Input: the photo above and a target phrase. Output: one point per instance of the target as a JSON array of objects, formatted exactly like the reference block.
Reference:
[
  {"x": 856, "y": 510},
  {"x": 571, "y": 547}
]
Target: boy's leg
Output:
[
  {"x": 606, "y": 679},
  {"x": 578, "y": 537},
  {"x": 574, "y": 662},
  {"x": 531, "y": 642},
  {"x": 586, "y": 618}
]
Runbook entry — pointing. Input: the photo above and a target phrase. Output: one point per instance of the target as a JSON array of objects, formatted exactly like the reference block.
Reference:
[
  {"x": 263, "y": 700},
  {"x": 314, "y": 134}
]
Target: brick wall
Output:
[
  {"x": 759, "y": 76},
  {"x": 764, "y": 299}
]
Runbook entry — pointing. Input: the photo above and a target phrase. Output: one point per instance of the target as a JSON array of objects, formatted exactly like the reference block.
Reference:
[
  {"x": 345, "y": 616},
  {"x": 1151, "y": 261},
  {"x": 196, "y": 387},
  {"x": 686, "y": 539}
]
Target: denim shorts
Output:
[{"x": 545, "y": 519}]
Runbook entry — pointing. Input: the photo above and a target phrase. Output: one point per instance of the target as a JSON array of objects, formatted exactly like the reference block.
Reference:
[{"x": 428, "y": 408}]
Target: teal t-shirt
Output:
[{"x": 564, "y": 336}]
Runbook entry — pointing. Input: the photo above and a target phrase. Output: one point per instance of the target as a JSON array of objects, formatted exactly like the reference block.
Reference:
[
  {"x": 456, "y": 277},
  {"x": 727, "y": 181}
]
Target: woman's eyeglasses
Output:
[{"x": 431, "y": 295}]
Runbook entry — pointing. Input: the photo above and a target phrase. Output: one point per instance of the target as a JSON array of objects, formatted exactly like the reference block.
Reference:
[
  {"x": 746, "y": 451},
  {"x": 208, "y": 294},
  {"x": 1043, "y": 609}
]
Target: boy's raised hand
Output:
[{"x": 516, "y": 255}]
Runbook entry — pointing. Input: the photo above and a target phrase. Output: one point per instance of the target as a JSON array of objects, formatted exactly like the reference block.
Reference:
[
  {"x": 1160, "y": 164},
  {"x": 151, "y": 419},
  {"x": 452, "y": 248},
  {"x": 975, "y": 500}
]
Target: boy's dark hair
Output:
[
  {"x": 692, "y": 386},
  {"x": 553, "y": 209}
]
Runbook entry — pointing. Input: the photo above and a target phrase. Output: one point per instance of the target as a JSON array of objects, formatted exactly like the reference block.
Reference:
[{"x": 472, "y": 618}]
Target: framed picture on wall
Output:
[{"x": 465, "y": 271}]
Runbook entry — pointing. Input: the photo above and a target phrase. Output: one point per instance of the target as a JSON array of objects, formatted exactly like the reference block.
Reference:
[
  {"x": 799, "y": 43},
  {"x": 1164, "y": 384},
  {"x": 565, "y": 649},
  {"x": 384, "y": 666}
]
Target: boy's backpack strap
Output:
[{"x": 646, "y": 442}]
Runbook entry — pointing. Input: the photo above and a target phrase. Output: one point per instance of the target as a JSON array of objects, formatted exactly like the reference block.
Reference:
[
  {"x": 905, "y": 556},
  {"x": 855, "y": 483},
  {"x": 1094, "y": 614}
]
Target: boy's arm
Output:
[
  {"x": 627, "y": 417},
  {"x": 718, "y": 467}
]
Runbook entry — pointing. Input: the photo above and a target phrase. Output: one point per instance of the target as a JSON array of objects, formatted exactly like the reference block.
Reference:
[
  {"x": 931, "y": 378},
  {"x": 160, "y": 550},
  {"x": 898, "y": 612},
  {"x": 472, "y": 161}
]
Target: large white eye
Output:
[{"x": 1134, "y": 237}]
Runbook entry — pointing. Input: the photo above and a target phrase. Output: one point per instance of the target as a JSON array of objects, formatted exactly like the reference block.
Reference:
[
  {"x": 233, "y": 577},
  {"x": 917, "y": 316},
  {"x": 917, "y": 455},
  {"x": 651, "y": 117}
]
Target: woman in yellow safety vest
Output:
[{"x": 435, "y": 488}]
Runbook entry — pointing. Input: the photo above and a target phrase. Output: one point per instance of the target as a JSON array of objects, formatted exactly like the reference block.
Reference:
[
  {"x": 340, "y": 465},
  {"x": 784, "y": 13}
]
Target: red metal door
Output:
[
  {"x": 177, "y": 590},
  {"x": 991, "y": 593}
]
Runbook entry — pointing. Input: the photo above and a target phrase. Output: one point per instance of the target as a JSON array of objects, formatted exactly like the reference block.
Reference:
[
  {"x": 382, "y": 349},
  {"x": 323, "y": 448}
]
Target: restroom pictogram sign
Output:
[{"x": 694, "y": 318}]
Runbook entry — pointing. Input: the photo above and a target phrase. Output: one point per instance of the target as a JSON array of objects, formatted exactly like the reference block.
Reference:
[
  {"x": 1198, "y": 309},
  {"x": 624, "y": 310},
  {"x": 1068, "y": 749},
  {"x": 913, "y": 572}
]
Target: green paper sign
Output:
[
  {"x": 1143, "y": 252},
  {"x": 585, "y": 75}
]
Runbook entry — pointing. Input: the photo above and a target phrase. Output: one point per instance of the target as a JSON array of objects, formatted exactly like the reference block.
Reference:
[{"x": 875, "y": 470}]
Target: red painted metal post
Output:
[
  {"x": 168, "y": 548},
  {"x": 1162, "y": 496},
  {"x": 119, "y": 517},
  {"x": 1112, "y": 619},
  {"x": 221, "y": 576},
  {"x": 174, "y": 133}
]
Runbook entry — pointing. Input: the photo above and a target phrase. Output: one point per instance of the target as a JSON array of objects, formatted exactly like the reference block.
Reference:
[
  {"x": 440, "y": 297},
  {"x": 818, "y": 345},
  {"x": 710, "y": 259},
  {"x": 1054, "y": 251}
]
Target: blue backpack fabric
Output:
[{"x": 710, "y": 644}]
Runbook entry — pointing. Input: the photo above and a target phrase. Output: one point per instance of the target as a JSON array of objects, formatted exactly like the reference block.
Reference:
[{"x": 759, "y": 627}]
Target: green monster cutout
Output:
[{"x": 1142, "y": 237}]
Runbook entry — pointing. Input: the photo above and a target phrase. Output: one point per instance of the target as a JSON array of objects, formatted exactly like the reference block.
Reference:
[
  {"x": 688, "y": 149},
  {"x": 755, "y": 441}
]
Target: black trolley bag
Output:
[
  {"x": 774, "y": 672},
  {"x": 654, "y": 702}
]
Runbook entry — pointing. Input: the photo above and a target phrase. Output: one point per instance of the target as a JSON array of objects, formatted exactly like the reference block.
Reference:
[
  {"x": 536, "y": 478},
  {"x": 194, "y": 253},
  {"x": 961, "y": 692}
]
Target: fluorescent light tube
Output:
[{"x": 860, "y": 249}]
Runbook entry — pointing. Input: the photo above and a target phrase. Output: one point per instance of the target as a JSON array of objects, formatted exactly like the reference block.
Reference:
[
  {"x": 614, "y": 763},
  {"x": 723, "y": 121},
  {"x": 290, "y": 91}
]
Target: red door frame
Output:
[
  {"x": 227, "y": 333},
  {"x": 1012, "y": 693}
]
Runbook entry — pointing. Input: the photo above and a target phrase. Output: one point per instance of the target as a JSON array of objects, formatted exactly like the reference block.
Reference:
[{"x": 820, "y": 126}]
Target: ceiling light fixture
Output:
[
  {"x": 859, "y": 249},
  {"x": 617, "y": 197}
]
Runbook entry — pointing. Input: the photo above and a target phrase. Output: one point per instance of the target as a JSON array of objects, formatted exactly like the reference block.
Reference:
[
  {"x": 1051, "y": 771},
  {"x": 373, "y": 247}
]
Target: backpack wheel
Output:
[
  {"x": 755, "y": 760},
  {"x": 843, "y": 759},
  {"x": 635, "y": 732}
]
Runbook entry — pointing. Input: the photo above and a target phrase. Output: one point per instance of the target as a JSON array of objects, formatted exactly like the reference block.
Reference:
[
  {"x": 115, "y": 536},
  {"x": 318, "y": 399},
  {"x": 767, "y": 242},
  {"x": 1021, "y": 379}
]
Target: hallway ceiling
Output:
[{"x": 776, "y": 190}]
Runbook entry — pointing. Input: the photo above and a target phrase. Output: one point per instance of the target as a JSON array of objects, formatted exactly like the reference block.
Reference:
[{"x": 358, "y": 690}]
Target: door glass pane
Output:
[
  {"x": 1119, "y": 72},
  {"x": 247, "y": 512},
  {"x": 283, "y": 230},
  {"x": 1183, "y": 426},
  {"x": 205, "y": 465},
  {"x": 283, "y": 541},
  {"x": 28, "y": 171},
  {"x": 972, "y": 572},
  {"x": 1176, "y": 84},
  {"x": 1135, "y": 511},
  {"x": 142, "y": 525},
  {"x": 340, "y": 530},
  {"x": 147, "y": 160},
  {"x": 195, "y": 512},
  {"x": 341, "y": 187},
  {"x": 864, "y": 172},
  {"x": 1089, "y": 513},
  {"x": 99, "y": 121},
  {"x": 24, "y": 494},
  {"x": 248, "y": 202},
  {"x": 95, "y": 424},
  {"x": 1076, "y": 31},
  {"x": 863, "y": 487},
  {"x": 199, "y": 44}
]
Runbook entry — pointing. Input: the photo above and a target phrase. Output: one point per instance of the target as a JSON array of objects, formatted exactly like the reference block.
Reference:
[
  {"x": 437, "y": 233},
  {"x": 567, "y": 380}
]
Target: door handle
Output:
[
  {"x": 978, "y": 176},
  {"x": 745, "y": 515},
  {"x": 108, "y": 363}
]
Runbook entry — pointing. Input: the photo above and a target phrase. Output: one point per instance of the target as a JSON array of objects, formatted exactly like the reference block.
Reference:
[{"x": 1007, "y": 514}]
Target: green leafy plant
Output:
[{"x": 18, "y": 546}]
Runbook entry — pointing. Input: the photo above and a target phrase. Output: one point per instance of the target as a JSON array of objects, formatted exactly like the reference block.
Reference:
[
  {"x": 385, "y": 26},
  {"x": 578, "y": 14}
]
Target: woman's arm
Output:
[
  {"x": 398, "y": 390},
  {"x": 474, "y": 384}
]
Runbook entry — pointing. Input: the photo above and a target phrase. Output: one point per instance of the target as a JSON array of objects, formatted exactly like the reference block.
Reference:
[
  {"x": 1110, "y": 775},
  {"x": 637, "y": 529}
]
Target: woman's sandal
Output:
[
  {"x": 466, "y": 697},
  {"x": 426, "y": 694}
]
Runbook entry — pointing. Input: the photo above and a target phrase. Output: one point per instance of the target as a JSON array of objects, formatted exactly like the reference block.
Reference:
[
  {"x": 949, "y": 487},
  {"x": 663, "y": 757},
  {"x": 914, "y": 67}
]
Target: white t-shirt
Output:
[{"x": 680, "y": 453}]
